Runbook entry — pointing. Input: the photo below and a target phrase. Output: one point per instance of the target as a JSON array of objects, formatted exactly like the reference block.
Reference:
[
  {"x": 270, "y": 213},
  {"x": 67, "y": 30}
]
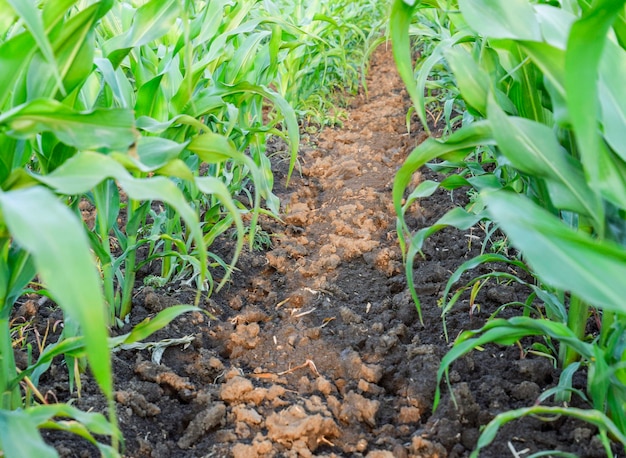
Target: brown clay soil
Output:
[{"x": 317, "y": 349}]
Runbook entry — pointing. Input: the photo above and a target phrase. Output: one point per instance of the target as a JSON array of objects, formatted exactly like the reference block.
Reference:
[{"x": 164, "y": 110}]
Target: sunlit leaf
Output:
[
  {"x": 100, "y": 128},
  {"x": 51, "y": 233},
  {"x": 497, "y": 19},
  {"x": 560, "y": 255}
]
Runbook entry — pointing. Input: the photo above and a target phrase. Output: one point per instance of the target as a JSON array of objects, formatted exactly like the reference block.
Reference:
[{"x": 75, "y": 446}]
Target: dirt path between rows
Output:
[{"x": 317, "y": 349}]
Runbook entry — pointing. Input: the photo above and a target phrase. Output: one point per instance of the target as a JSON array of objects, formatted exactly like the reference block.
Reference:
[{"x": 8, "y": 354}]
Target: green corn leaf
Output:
[
  {"x": 22, "y": 270},
  {"x": 15, "y": 55},
  {"x": 7, "y": 18},
  {"x": 55, "y": 12},
  {"x": 74, "y": 48},
  {"x": 155, "y": 152},
  {"x": 241, "y": 65},
  {"x": 555, "y": 24},
  {"x": 399, "y": 22},
  {"x": 586, "y": 43},
  {"x": 498, "y": 19},
  {"x": 14, "y": 427},
  {"x": 208, "y": 23},
  {"x": 151, "y": 325},
  {"x": 532, "y": 148},
  {"x": 75, "y": 346},
  {"x": 284, "y": 108},
  {"x": 214, "y": 148},
  {"x": 562, "y": 257},
  {"x": 33, "y": 20},
  {"x": 425, "y": 189},
  {"x": 80, "y": 430},
  {"x": 100, "y": 128},
  {"x": 151, "y": 100},
  {"x": 211, "y": 185},
  {"x": 507, "y": 332},
  {"x": 73, "y": 420},
  {"x": 599, "y": 380},
  {"x": 424, "y": 70},
  {"x": 85, "y": 170},
  {"x": 72, "y": 346},
  {"x": 526, "y": 86},
  {"x": 612, "y": 93},
  {"x": 50, "y": 232},
  {"x": 461, "y": 143},
  {"x": 156, "y": 127},
  {"x": 551, "y": 61},
  {"x": 594, "y": 417},
  {"x": 92, "y": 421},
  {"x": 107, "y": 200},
  {"x": 472, "y": 80},
  {"x": 117, "y": 81},
  {"x": 458, "y": 218},
  {"x": 151, "y": 21}
]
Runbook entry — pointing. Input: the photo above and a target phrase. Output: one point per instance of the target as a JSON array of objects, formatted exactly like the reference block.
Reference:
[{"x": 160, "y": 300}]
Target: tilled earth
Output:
[{"x": 317, "y": 349}]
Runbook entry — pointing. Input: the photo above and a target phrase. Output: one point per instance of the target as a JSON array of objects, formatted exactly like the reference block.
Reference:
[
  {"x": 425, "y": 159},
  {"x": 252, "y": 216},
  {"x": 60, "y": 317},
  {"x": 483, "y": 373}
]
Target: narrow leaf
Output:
[
  {"x": 14, "y": 427},
  {"x": 101, "y": 128},
  {"x": 502, "y": 19},
  {"x": 52, "y": 234},
  {"x": 562, "y": 257}
]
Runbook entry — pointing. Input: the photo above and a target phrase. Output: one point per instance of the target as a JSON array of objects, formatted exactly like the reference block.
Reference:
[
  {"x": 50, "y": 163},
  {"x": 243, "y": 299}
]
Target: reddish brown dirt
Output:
[{"x": 317, "y": 349}]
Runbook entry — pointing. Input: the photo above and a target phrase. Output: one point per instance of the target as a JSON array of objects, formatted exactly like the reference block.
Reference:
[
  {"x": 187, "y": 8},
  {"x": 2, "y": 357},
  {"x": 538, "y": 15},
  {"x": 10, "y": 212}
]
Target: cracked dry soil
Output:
[{"x": 317, "y": 349}]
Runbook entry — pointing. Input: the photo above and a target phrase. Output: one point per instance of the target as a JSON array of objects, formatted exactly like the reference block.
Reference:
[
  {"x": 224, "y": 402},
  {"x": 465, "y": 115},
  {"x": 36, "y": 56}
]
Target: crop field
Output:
[{"x": 285, "y": 228}]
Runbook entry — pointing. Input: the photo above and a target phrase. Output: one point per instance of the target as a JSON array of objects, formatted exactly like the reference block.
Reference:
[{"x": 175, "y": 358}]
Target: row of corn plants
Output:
[
  {"x": 157, "y": 113},
  {"x": 538, "y": 107}
]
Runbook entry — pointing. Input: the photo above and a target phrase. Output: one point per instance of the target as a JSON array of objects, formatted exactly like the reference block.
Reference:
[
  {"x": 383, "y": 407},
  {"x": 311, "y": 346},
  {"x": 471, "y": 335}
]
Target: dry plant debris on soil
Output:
[{"x": 317, "y": 349}]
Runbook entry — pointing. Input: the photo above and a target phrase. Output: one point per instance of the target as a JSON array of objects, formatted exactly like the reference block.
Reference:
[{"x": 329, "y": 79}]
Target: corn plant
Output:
[
  {"x": 49, "y": 150},
  {"x": 158, "y": 113},
  {"x": 327, "y": 52},
  {"x": 542, "y": 87}
]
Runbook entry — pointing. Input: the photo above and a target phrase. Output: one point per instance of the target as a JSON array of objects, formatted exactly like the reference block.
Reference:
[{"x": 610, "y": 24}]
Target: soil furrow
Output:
[{"x": 316, "y": 349}]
